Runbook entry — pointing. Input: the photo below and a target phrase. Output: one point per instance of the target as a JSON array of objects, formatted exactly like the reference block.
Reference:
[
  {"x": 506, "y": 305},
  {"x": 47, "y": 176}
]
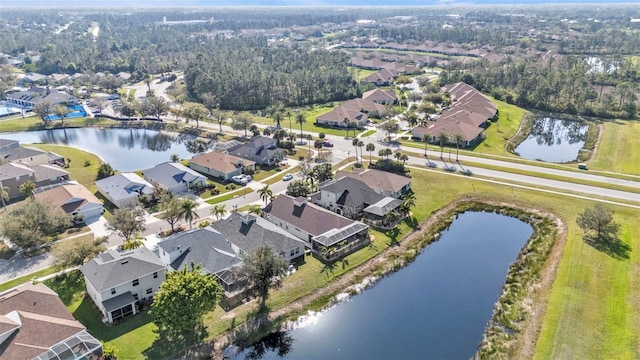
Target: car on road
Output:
[
  {"x": 287, "y": 177},
  {"x": 327, "y": 144},
  {"x": 582, "y": 167}
]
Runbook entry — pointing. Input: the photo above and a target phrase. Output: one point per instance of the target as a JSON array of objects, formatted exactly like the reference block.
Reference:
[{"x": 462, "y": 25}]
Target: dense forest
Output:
[
  {"x": 247, "y": 74},
  {"x": 569, "y": 85}
]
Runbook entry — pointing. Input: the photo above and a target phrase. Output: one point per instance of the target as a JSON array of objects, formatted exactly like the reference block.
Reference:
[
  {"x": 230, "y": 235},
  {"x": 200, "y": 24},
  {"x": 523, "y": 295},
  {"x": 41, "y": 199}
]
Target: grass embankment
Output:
[
  {"x": 618, "y": 148},
  {"x": 584, "y": 309},
  {"x": 33, "y": 123},
  {"x": 83, "y": 166}
]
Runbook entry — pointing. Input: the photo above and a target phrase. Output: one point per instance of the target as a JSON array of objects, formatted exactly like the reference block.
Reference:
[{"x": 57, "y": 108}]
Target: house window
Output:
[
  {"x": 149, "y": 291},
  {"x": 135, "y": 297},
  {"x": 113, "y": 291},
  {"x": 293, "y": 252},
  {"x": 155, "y": 275},
  {"x": 136, "y": 282}
]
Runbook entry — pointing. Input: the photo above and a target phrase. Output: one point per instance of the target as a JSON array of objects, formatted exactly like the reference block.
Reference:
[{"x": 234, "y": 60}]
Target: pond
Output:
[
  {"x": 123, "y": 149},
  {"x": 435, "y": 308},
  {"x": 554, "y": 140}
]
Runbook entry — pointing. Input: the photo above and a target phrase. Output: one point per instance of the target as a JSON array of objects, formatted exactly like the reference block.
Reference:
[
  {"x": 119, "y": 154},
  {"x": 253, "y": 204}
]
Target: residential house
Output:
[
  {"x": 35, "y": 324},
  {"x": 117, "y": 280},
  {"x": 203, "y": 246},
  {"x": 30, "y": 98},
  {"x": 220, "y": 165},
  {"x": 468, "y": 115},
  {"x": 74, "y": 199},
  {"x": 352, "y": 198},
  {"x": 174, "y": 177},
  {"x": 124, "y": 189},
  {"x": 247, "y": 232},
  {"x": 382, "y": 77},
  {"x": 318, "y": 227},
  {"x": 380, "y": 96},
  {"x": 343, "y": 117},
  {"x": 13, "y": 175},
  {"x": 30, "y": 156},
  {"x": 382, "y": 182},
  {"x": 8, "y": 144},
  {"x": 260, "y": 149},
  {"x": 31, "y": 79}
]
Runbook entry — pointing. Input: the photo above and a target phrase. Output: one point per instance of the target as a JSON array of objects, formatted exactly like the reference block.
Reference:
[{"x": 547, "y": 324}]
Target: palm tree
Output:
[
  {"x": 218, "y": 211},
  {"x": 28, "y": 188},
  {"x": 188, "y": 211},
  {"x": 354, "y": 142},
  {"x": 458, "y": 138},
  {"x": 255, "y": 209},
  {"x": 300, "y": 120},
  {"x": 442, "y": 139},
  {"x": 288, "y": 114},
  {"x": 408, "y": 202},
  {"x": 277, "y": 117},
  {"x": 360, "y": 145},
  {"x": 391, "y": 217},
  {"x": 265, "y": 193},
  {"x": 370, "y": 148},
  {"x": 309, "y": 138},
  {"x": 175, "y": 158},
  {"x": 318, "y": 145},
  {"x": 133, "y": 243},
  {"x": 425, "y": 140}
]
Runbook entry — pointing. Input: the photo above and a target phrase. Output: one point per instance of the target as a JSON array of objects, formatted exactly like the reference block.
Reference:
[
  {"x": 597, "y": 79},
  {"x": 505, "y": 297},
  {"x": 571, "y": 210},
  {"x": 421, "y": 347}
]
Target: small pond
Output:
[
  {"x": 435, "y": 308},
  {"x": 123, "y": 149},
  {"x": 554, "y": 140}
]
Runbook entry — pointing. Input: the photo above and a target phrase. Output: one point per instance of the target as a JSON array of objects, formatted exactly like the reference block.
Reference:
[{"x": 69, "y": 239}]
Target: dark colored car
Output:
[{"x": 327, "y": 144}]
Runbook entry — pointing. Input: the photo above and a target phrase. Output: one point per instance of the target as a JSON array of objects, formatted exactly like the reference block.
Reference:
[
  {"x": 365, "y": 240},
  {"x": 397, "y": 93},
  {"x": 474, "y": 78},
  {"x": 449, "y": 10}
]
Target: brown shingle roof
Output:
[
  {"x": 308, "y": 217},
  {"x": 220, "y": 161},
  {"x": 61, "y": 195}
]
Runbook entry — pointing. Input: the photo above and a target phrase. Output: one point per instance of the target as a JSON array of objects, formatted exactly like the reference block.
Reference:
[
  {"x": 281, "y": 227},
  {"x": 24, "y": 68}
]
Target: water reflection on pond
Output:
[
  {"x": 435, "y": 308},
  {"x": 554, "y": 140},
  {"x": 123, "y": 149}
]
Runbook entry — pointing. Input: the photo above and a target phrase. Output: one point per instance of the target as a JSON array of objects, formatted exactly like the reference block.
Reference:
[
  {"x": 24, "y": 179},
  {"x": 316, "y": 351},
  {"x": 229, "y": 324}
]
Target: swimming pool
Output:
[{"x": 76, "y": 111}]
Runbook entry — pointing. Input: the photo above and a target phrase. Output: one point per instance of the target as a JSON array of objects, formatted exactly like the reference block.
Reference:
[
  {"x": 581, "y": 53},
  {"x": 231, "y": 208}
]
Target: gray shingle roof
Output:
[
  {"x": 170, "y": 174},
  {"x": 118, "y": 267},
  {"x": 352, "y": 192},
  {"x": 13, "y": 170},
  {"x": 124, "y": 186},
  {"x": 203, "y": 246},
  {"x": 309, "y": 217},
  {"x": 249, "y": 232},
  {"x": 47, "y": 172},
  {"x": 119, "y": 301}
]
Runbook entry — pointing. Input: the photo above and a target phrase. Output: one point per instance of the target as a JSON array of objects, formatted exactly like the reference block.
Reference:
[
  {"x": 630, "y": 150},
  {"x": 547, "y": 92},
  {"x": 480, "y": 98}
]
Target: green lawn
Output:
[
  {"x": 361, "y": 73},
  {"x": 34, "y": 123},
  {"x": 230, "y": 195},
  {"x": 275, "y": 179},
  {"x": 501, "y": 130},
  {"x": 367, "y": 133},
  {"x": 26, "y": 278},
  {"x": 618, "y": 148},
  {"x": 85, "y": 175}
]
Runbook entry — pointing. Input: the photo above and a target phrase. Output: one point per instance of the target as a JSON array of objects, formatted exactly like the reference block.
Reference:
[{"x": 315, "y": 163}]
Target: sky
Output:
[{"x": 191, "y": 3}]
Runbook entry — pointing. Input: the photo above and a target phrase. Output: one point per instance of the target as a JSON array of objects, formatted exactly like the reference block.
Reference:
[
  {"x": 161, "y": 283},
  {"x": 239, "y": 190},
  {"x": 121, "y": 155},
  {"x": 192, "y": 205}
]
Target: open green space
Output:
[
  {"x": 83, "y": 166},
  {"x": 230, "y": 195},
  {"x": 500, "y": 131},
  {"x": 35, "y": 123},
  {"x": 361, "y": 73},
  {"x": 618, "y": 149},
  {"x": 367, "y": 133}
]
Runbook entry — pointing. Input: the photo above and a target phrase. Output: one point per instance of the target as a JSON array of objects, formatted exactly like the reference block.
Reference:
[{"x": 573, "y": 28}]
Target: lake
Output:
[
  {"x": 554, "y": 140},
  {"x": 435, "y": 308},
  {"x": 123, "y": 149}
]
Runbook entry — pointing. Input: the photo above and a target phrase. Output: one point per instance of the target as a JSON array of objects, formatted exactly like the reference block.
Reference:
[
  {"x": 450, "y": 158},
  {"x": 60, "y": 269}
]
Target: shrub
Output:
[{"x": 87, "y": 163}]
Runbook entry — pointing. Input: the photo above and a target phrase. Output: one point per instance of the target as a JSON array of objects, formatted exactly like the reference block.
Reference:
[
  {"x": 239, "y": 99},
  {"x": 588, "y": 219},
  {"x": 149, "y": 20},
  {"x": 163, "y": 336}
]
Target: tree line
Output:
[{"x": 248, "y": 74}]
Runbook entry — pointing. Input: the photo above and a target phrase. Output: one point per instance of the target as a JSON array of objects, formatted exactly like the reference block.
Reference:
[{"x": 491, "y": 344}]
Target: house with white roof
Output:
[{"x": 124, "y": 189}]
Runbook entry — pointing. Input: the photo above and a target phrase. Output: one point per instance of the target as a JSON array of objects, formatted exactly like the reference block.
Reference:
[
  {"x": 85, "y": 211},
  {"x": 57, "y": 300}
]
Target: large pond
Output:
[
  {"x": 123, "y": 149},
  {"x": 435, "y": 308},
  {"x": 554, "y": 140}
]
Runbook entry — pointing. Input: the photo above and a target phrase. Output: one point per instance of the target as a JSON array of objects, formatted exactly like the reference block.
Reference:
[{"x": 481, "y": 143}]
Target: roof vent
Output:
[{"x": 124, "y": 262}]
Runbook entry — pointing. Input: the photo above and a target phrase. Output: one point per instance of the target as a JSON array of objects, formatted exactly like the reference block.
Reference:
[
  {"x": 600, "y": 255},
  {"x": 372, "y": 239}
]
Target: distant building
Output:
[{"x": 30, "y": 98}]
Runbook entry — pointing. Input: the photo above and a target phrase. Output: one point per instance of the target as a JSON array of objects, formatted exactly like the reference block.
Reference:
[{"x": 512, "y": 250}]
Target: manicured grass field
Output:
[
  {"x": 501, "y": 130},
  {"x": 26, "y": 278},
  {"x": 85, "y": 175},
  {"x": 618, "y": 150}
]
